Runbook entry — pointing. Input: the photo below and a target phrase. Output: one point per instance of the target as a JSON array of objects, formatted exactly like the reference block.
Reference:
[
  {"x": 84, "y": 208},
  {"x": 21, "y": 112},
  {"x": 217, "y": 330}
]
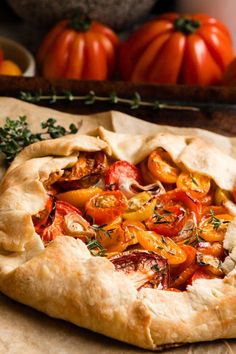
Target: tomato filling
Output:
[{"x": 165, "y": 235}]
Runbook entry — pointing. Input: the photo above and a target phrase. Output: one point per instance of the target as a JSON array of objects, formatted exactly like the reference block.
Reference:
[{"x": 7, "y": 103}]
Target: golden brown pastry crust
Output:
[{"x": 66, "y": 282}]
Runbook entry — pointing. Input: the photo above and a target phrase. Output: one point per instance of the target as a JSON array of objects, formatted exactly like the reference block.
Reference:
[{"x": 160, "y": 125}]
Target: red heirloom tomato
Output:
[
  {"x": 120, "y": 171},
  {"x": 174, "y": 48},
  {"x": 78, "y": 49}
]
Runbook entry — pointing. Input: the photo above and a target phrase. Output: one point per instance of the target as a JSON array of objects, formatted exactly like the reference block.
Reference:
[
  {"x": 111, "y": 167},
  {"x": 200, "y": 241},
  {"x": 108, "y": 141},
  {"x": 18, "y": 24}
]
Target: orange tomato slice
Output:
[
  {"x": 194, "y": 183},
  {"x": 103, "y": 208},
  {"x": 214, "y": 228},
  {"x": 162, "y": 167},
  {"x": 79, "y": 197},
  {"x": 163, "y": 246}
]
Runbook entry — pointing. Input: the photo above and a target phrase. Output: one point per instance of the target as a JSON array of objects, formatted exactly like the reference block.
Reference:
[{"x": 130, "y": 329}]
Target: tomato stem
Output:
[
  {"x": 80, "y": 22},
  {"x": 186, "y": 25}
]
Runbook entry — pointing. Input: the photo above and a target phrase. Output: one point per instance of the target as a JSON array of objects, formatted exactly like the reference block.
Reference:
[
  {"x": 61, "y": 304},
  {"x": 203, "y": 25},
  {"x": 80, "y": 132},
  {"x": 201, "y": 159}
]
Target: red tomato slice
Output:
[
  {"x": 119, "y": 171},
  {"x": 67, "y": 221},
  {"x": 168, "y": 221},
  {"x": 40, "y": 220},
  {"x": 199, "y": 274},
  {"x": 181, "y": 197},
  {"x": 105, "y": 207}
]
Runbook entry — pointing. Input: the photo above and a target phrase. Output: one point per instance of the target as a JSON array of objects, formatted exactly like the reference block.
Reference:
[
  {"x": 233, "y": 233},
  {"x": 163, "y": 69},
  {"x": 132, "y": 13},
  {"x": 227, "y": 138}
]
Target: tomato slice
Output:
[
  {"x": 85, "y": 173},
  {"x": 162, "y": 167},
  {"x": 121, "y": 170},
  {"x": 41, "y": 219},
  {"x": 213, "y": 228},
  {"x": 163, "y": 246},
  {"x": 168, "y": 222},
  {"x": 103, "y": 208},
  {"x": 195, "y": 184},
  {"x": 117, "y": 237},
  {"x": 144, "y": 269},
  {"x": 67, "y": 221},
  {"x": 214, "y": 249},
  {"x": 79, "y": 197},
  {"x": 176, "y": 215},
  {"x": 199, "y": 273},
  {"x": 140, "y": 207}
]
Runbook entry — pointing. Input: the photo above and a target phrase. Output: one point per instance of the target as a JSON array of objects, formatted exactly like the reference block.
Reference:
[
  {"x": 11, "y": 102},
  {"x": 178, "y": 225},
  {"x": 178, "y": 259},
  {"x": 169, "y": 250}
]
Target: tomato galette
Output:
[{"x": 131, "y": 237}]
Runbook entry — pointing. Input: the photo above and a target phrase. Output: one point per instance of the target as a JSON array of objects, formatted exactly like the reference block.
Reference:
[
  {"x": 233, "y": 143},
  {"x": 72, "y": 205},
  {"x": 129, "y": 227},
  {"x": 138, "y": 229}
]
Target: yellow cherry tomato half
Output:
[
  {"x": 163, "y": 246},
  {"x": 194, "y": 183},
  {"x": 162, "y": 167},
  {"x": 8, "y": 67},
  {"x": 79, "y": 197},
  {"x": 140, "y": 207},
  {"x": 214, "y": 228}
]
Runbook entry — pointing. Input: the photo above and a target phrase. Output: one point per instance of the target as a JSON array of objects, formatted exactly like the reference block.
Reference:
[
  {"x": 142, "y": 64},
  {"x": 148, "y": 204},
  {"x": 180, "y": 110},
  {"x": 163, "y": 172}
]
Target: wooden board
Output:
[{"x": 217, "y": 105}]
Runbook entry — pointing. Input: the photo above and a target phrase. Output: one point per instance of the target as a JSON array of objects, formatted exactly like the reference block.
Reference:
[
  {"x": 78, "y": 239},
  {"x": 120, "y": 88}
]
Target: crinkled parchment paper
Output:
[{"x": 24, "y": 330}]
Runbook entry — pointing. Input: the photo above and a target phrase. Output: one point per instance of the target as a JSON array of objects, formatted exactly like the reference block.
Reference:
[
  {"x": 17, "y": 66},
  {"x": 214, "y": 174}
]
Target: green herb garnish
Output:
[
  {"x": 216, "y": 222},
  {"x": 100, "y": 230},
  {"x": 95, "y": 247},
  {"x": 16, "y": 134}
]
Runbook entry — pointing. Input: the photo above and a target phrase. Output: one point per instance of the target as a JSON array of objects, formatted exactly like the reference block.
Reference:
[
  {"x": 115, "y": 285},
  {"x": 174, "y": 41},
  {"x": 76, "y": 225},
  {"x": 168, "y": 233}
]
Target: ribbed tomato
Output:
[
  {"x": 78, "y": 49},
  {"x": 173, "y": 48}
]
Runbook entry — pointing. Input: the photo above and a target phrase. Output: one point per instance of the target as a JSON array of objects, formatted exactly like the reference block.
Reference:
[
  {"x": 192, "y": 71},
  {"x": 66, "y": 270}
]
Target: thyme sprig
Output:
[
  {"x": 159, "y": 218},
  {"x": 216, "y": 222},
  {"x": 16, "y": 134},
  {"x": 100, "y": 230},
  {"x": 134, "y": 102},
  {"x": 95, "y": 247}
]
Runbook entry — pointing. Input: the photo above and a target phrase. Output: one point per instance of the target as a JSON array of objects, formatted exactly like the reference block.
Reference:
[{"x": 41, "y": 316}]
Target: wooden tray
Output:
[{"x": 216, "y": 106}]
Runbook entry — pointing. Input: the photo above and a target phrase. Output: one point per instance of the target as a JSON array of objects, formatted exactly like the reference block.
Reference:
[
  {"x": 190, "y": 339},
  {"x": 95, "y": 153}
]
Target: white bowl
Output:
[{"x": 18, "y": 54}]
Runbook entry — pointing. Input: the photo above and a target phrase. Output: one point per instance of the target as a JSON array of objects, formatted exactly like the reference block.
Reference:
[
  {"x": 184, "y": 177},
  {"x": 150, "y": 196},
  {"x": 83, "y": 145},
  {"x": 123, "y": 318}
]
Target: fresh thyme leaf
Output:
[
  {"x": 155, "y": 268},
  {"x": 100, "y": 230},
  {"x": 158, "y": 218},
  {"x": 163, "y": 239},
  {"x": 16, "y": 134},
  {"x": 95, "y": 247},
  {"x": 216, "y": 222},
  {"x": 194, "y": 180}
]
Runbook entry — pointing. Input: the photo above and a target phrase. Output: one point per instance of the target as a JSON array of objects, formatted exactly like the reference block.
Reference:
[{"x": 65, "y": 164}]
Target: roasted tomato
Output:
[
  {"x": 169, "y": 221},
  {"x": 79, "y": 197},
  {"x": 176, "y": 215},
  {"x": 42, "y": 219},
  {"x": 117, "y": 237},
  {"x": 67, "y": 220},
  {"x": 144, "y": 269},
  {"x": 164, "y": 246},
  {"x": 85, "y": 173},
  {"x": 140, "y": 207},
  {"x": 213, "y": 228},
  {"x": 106, "y": 206},
  {"x": 214, "y": 249},
  {"x": 199, "y": 273},
  {"x": 119, "y": 172},
  {"x": 162, "y": 167},
  {"x": 194, "y": 184}
]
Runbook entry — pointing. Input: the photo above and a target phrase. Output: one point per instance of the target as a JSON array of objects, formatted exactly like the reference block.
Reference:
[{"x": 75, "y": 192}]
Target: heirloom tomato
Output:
[
  {"x": 177, "y": 48},
  {"x": 78, "y": 49}
]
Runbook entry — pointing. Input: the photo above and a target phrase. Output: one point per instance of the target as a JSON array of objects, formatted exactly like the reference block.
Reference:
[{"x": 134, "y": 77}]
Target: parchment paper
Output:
[{"x": 24, "y": 330}]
